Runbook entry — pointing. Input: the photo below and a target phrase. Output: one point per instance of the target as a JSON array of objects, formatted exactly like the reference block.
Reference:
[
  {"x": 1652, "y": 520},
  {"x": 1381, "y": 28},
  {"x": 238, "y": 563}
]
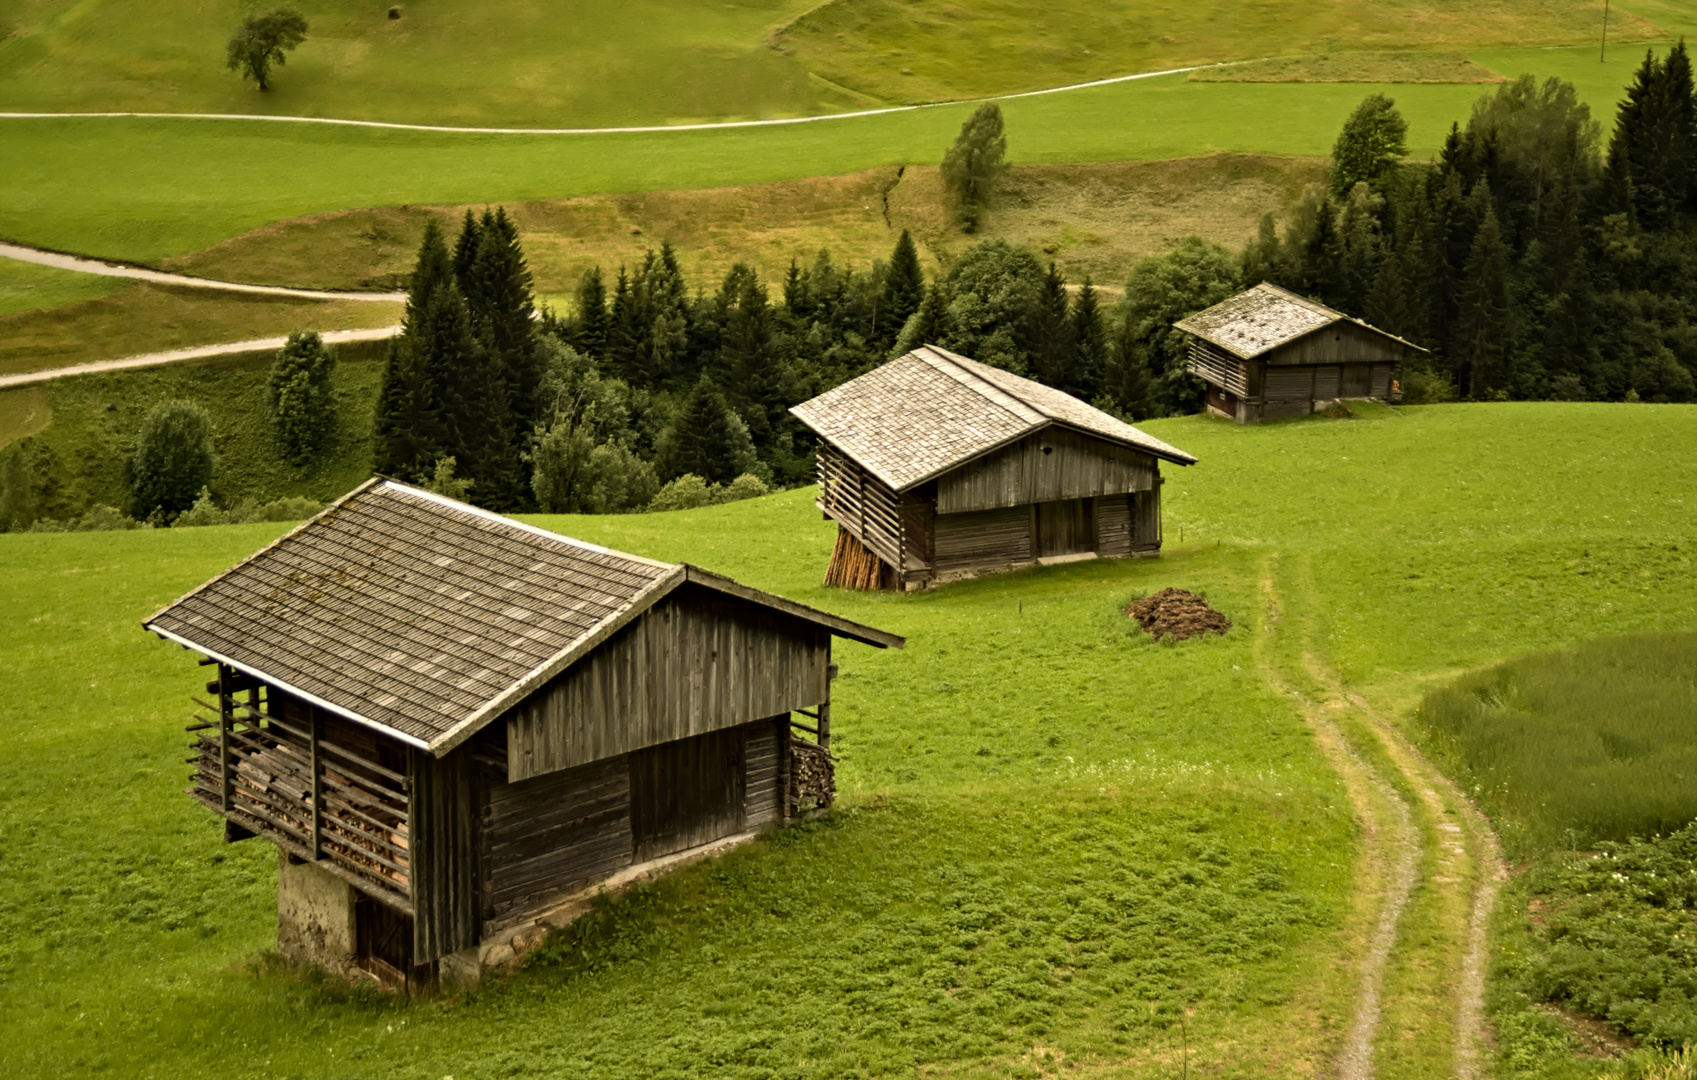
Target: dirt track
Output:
[
  {"x": 1456, "y": 863},
  {"x": 77, "y": 264},
  {"x": 200, "y": 352}
]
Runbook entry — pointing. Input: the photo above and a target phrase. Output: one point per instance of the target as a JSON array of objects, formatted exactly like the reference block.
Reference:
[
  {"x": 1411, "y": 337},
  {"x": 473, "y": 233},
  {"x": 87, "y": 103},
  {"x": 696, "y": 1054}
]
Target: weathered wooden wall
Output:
[
  {"x": 1113, "y": 524},
  {"x": 983, "y": 539},
  {"x": 1053, "y": 464},
  {"x": 549, "y": 835},
  {"x": 1146, "y": 520},
  {"x": 860, "y": 503},
  {"x": 1339, "y": 343},
  {"x": 698, "y": 661},
  {"x": 767, "y": 762},
  {"x": 687, "y": 793},
  {"x": 1065, "y": 527},
  {"x": 445, "y": 842}
]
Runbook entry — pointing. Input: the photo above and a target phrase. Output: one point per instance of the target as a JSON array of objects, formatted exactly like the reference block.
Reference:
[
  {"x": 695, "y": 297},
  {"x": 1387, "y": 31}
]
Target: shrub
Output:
[
  {"x": 1422, "y": 385},
  {"x": 443, "y": 481},
  {"x": 685, "y": 493},
  {"x": 173, "y": 460},
  {"x": 618, "y": 481},
  {"x": 746, "y": 486},
  {"x": 300, "y": 398},
  {"x": 203, "y": 512}
]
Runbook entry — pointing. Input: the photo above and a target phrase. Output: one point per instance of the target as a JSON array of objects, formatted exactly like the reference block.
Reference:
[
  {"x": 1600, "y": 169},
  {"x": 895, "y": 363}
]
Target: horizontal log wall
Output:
[
  {"x": 698, "y": 661},
  {"x": 763, "y": 753},
  {"x": 687, "y": 793},
  {"x": 1049, "y": 466},
  {"x": 861, "y": 503},
  {"x": 550, "y": 835},
  {"x": 985, "y": 539},
  {"x": 1216, "y": 366},
  {"x": 1288, "y": 392}
]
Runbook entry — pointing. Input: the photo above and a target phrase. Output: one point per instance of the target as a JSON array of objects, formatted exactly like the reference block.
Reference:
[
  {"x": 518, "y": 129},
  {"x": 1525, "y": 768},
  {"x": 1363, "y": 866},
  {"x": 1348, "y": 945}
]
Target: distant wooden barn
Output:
[
  {"x": 1269, "y": 353},
  {"x": 448, "y": 720},
  {"x": 935, "y": 466}
]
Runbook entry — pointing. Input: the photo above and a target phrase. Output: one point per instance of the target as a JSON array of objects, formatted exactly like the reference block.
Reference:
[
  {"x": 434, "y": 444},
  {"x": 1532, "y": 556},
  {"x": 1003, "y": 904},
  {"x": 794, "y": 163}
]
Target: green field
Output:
[
  {"x": 580, "y": 64},
  {"x": 26, "y": 287},
  {"x": 1028, "y": 760},
  {"x": 149, "y": 189}
]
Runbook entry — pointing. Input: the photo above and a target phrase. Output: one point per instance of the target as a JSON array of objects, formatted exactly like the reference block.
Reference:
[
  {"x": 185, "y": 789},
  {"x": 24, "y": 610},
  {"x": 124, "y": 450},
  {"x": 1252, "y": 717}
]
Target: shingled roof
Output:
[
  {"x": 426, "y": 617},
  {"x": 1264, "y": 318},
  {"x": 927, "y": 412}
]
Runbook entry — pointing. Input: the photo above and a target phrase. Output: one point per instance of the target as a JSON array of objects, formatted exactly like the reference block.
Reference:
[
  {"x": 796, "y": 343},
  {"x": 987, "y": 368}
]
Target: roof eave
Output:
[{"x": 836, "y": 624}]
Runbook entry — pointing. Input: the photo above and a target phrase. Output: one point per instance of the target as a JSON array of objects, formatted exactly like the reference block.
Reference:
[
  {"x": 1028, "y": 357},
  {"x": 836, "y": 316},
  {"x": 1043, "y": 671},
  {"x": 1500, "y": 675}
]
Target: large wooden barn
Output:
[
  {"x": 449, "y": 721},
  {"x": 1269, "y": 353},
  {"x": 935, "y": 467}
]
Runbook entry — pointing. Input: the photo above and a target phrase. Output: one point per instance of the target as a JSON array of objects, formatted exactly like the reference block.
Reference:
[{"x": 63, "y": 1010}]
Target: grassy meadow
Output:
[
  {"x": 26, "y": 287},
  {"x": 579, "y": 64},
  {"x": 1055, "y": 836},
  {"x": 148, "y": 190}
]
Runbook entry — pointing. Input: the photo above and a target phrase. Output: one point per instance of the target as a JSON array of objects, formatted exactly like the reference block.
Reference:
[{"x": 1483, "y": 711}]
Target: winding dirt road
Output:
[
  {"x": 80, "y": 265},
  {"x": 200, "y": 352}
]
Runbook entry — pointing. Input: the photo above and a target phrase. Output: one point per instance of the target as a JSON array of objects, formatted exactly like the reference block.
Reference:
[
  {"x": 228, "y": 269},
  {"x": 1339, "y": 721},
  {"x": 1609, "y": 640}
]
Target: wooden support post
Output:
[
  {"x": 316, "y": 729},
  {"x": 825, "y": 709},
  {"x": 226, "y": 718}
]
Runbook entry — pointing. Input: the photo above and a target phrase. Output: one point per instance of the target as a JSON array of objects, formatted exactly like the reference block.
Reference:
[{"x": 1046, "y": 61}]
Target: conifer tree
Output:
[
  {"x": 591, "y": 322},
  {"x": 930, "y": 325},
  {"x": 625, "y": 334},
  {"x": 904, "y": 290},
  {"x": 1263, "y": 256},
  {"x": 748, "y": 354},
  {"x": 708, "y": 439},
  {"x": 1480, "y": 329},
  {"x": 465, "y": 248},
  {"x": 1126, "y": 383},
  {"x": 1387, "y": 300},
  {"x": 1089, "y": 343},
  {"x": 503, "y": 311},
  {"x": 1051, "y": 331},
  {"x": 405, "y": 425},
  {"x": 453, "y": 382}
]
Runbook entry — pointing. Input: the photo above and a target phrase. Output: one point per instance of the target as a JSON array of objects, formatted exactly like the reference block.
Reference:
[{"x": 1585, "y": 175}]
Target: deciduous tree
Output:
[{"x": 263, "y": 40}]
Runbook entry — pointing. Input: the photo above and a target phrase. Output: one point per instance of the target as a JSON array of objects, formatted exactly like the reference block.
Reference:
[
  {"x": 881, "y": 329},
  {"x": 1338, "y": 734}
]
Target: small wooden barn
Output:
[
  {"x": 448, "y": 721},
  {"x": 1269, "y": 353},
  {"x": 935, "y": 467}
]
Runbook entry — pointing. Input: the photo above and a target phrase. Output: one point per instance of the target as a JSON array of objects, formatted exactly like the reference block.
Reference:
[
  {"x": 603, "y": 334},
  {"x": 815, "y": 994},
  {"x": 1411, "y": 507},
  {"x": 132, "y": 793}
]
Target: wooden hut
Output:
[
  {"x": 1269, "y": 353},
  {"x": 935, "y": 467},
  {"x": 450, "y": 722}
]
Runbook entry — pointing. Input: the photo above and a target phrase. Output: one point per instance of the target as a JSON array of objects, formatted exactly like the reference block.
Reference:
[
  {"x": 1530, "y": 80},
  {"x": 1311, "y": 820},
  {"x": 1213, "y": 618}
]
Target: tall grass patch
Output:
[{"x": 1579, "y": 745}]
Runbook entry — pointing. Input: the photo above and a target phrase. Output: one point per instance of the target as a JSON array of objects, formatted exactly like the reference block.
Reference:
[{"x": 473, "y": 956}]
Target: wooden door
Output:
[
  {"x": 1355, "y": 381},
  {"x": 687, "y": 793},
  {"x": 1065, "y": 528}
]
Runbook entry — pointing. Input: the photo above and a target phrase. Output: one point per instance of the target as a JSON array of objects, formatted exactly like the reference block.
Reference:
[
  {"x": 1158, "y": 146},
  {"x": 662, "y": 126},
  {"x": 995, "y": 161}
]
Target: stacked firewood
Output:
[
  {"x": 813, "y": 779},
  {"x": 854, "y": 567}
]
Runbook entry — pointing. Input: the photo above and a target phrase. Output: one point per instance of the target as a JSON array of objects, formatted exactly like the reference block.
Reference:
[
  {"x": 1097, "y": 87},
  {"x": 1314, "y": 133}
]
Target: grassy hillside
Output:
[
  {"x": 901, "y": 51},
  {"x": 580, "y": 64},
  {"x": 85, "y": 428},
  {"x": 25, "y": 287},
  {"x": 1054, "y": 834},
  {"x": 151, "y": 189}
]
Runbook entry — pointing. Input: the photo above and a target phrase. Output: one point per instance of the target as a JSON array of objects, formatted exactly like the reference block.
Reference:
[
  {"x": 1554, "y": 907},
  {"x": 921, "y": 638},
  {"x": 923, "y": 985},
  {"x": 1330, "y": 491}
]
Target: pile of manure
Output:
[{"x": 1177, "y": 614}]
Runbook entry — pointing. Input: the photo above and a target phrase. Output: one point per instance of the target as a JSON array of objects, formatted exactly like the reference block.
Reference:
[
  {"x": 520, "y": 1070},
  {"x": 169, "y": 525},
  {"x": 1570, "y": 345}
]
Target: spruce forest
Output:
[{"x": 1530, "y": 263}]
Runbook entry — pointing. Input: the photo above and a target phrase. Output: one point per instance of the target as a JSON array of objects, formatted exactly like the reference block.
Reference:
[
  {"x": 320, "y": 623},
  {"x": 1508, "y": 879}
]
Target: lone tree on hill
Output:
[
  {"x": 264, "y": 39},
  {"x": 173, "y": 459},
  {"x": 973, "y": 163},
  {"x": 300, "y": 397},
  {"x": 1373, "y": 140}
]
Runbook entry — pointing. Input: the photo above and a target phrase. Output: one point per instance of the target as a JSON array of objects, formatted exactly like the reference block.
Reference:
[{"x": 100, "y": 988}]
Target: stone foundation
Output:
[{"x": 315, "y": 915}]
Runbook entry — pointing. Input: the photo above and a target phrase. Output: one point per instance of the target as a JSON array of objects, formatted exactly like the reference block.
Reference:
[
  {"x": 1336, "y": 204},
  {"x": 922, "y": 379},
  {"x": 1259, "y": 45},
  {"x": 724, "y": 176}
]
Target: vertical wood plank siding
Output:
[
  {"x": 550, "y": 835},
  {"x": 1146, "y": 520},
  {"x": 984, "y": 539},
  {"x": 446, "y": 908},
  {"x": 687, "y": 793},
  {"x": 696, "y": 662},
  {"x": 919, "y": 524},
  {"x": 1339, "y": 343},
  {"x": 1216, "y": 366},
  {"x": 861, "y": 503},
  {"x": 1054, "y": 464},
  {"x": 1113, "y": 524}
]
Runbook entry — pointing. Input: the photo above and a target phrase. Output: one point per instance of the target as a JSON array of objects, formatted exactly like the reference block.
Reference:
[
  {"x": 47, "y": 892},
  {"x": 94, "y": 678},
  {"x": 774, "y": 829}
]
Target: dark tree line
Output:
[{"x": 1531, "y": 264}]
